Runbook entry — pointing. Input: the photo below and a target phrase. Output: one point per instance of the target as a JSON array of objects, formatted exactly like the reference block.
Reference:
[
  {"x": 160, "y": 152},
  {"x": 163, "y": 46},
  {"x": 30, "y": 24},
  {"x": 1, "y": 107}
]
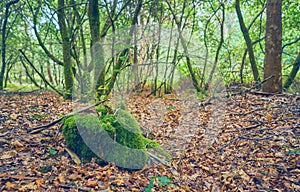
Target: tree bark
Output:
[
  {"x": 248, "y": 41},
  {"x": 272, "y": 66},
  {"x": 66, "y": 45},
  {"x": 296, "y": 66},
  {"x": 3, "y": 50},
  {"x": 96, "y": 47}
]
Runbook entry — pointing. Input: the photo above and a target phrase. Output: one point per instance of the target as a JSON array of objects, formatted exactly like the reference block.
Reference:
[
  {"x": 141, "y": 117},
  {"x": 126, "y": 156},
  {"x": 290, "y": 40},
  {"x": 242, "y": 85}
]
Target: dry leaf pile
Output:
[{"x": 246, "y": 143}]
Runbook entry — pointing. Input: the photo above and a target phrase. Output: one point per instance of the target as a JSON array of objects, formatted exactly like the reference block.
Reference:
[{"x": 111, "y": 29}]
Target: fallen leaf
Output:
[
  {"x": 28, "y": 187},
  {"x": 74, "y": 177},
  {"x": 61, "y": 178},
  {"x": 39, "y": 182},
  {"x": 8, "y": 154},
  {"x": 16, "y": 143},
  {"x": 56, "y": 183},
  {"x": 10, "y": 185},
  {"x": 91, "y": 183},
  {"x": 14, "y": 116},
  {"x": 268, "y": 117},
  {"x": 244, "y": 175}
]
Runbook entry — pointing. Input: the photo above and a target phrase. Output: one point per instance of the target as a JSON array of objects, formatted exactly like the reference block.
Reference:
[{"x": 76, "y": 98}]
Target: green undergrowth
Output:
[{"x": 110, "y": 137}]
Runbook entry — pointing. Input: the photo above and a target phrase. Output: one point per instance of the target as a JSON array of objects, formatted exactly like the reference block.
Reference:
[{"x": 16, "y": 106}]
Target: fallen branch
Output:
[
  {"x": 43, "y": 127},
  {"x": 4, "y": 134},
  {"x": 19, "y": 177},
  {"x": 257, "y": 139}
]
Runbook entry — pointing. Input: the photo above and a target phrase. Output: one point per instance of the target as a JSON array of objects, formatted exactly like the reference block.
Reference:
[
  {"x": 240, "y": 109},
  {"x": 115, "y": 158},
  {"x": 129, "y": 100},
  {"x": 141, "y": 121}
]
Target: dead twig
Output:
[
  {"x": 243, "y": 137},
  {"x": 43, "y": 127},
  {"x": 257, "y": 139},
  {"x": 247, "y": 113},
  {"x": 4, "y": 134}
]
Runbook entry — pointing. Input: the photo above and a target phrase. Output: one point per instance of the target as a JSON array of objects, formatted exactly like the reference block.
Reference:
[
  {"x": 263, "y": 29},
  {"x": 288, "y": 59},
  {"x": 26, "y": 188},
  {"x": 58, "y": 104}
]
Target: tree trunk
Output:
[
  {"x": 118, "y": 66},
  {"x": 248, "y": 41},
  {"x": 272, "y": 66},
  {"x": 49, "y": 73},
  {"x": 66, "y": 45},
  {"x": 3, "y": 51},
  {"x": 296, "y": 66},
  {"x": 96, "y": 47}
]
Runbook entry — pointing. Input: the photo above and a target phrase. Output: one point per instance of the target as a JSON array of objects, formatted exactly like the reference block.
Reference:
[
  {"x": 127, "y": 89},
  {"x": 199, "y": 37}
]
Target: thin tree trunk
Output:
[
  {"x": 97, "y": 52},
  {"x": 66, "y": 45},
  {"x": 118, "y": 66},
  {"x": 248, "y": 41},
  {"x": 295, "y": 69},
  {"x": 9, "y": 67},
  {"x": 49, "y": 72},
  {"x": 184, "y": 45},
  {"x": 3, "y": 50},
  {"x": 28, "y": 74},
  {"x": 40, "y": 74},
  {"x": 218, "y": 49}
]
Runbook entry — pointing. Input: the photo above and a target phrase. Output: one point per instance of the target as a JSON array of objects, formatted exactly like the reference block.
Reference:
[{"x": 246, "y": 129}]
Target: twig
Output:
[
  {"x": 252, "y": 126},
  {"x": 252, "y": 88},
  {"x": 20, "y": 177},
  {"x": 242, "y": 137},
  {"x": 4, "y": 134},
  {"x": 159, "y": 159},
  {"x": 41, "y": 128},
  {"x": 247, "y": 113},
  {"x": 257, "y": 139}
]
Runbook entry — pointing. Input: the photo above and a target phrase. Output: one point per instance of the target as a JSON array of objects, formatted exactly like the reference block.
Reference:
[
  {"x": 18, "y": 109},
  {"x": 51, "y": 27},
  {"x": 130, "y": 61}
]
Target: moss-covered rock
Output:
[
  {"x": 112, "y": 137},
  {"x": 73, "y": 138}
]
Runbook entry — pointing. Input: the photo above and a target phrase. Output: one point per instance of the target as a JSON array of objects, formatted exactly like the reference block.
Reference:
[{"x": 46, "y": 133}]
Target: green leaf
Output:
[
  {"x": 150, "y": 186},
  {"x": 123, "y": 58},
  {"x": 169, "y": 108},
  {"x": 163, "y": 180},
  {"x": 117, "y": 70},
  {"x": 52, "y": 151},
  {"x": 290, "y": 152}
]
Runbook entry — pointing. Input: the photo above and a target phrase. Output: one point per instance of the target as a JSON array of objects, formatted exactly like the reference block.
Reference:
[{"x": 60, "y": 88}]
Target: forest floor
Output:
[{"x": 247, "y": 142}]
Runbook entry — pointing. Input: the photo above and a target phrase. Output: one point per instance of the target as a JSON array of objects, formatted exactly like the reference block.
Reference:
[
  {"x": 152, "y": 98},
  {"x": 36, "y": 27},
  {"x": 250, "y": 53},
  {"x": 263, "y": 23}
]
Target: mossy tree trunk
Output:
[
  {"x": 96, "y": 47},
  {"x": 3, "y": 45},
  {"x": 66, "y": 45}
]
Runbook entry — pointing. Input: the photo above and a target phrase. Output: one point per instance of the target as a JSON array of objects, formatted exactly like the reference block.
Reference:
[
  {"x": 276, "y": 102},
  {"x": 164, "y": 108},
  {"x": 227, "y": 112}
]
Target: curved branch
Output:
[
  {"x": 248, "y": 41},
  {"x": 219, "y": 46},
  {"x": 51, "y": 56},
  {"x": 291, "y": 43},
  {"x": 41, "y": 75}
]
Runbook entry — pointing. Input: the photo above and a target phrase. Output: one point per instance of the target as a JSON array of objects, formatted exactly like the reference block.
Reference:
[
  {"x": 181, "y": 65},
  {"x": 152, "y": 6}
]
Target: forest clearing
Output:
[{"x": 157, "y": 95}]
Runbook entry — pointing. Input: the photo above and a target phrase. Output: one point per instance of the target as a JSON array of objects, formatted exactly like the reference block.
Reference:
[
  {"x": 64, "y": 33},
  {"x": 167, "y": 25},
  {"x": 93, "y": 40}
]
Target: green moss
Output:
[
  {"x": 128, "y": 121},
  {"x": 101, "y": 109},
  {"x": 116, "y": 138},
  {"x": 73, "y": 138}
]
